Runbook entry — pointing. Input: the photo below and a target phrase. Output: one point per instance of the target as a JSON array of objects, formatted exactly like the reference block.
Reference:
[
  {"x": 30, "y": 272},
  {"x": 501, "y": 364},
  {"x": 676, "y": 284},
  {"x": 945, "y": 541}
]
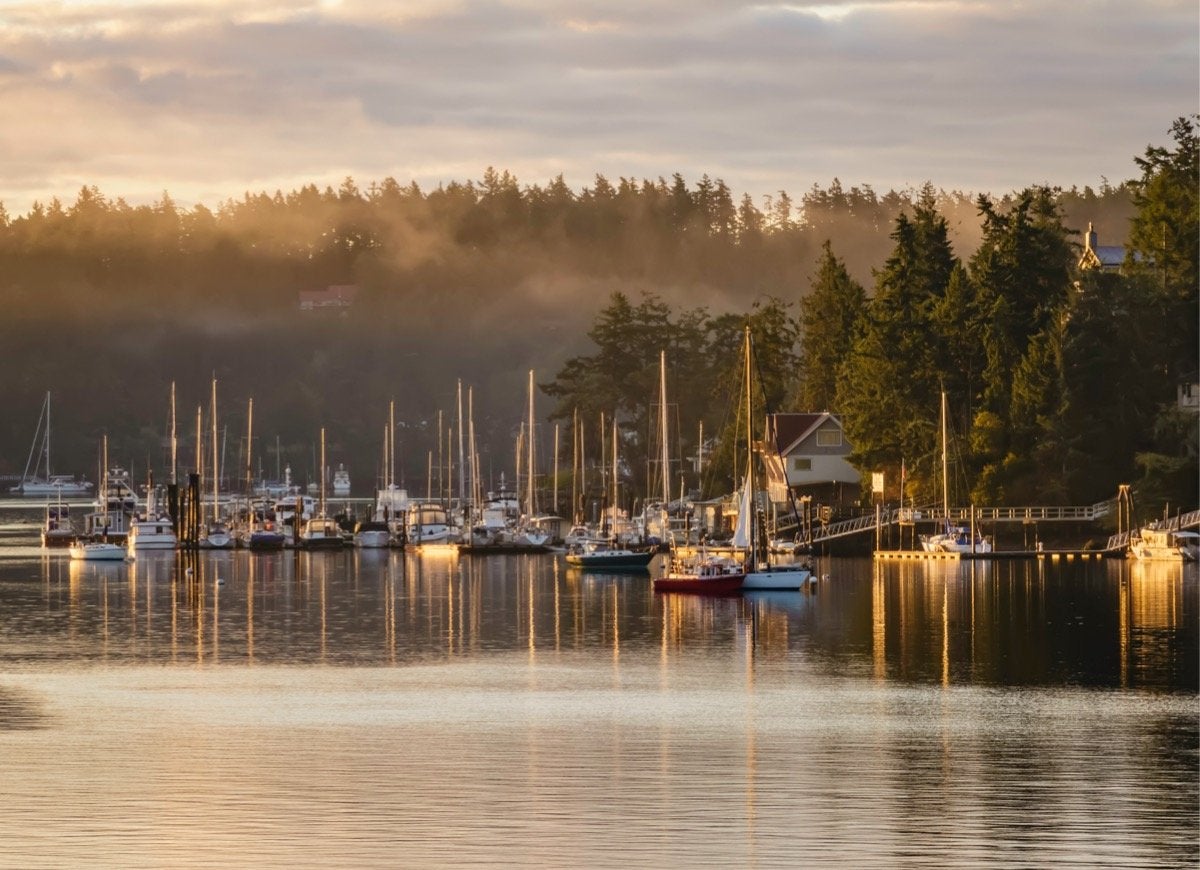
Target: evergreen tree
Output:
[
  {"x": 889, "y": 385},
  {"x": 829, "y": 323},
  {"x": 1164, "y": 238}
]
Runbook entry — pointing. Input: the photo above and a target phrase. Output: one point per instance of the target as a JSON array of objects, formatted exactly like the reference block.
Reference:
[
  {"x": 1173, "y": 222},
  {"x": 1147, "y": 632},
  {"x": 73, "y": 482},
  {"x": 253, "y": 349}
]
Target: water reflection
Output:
[
  {"x": 275, "y": 710},
  {"x": 944, "y": 623}
]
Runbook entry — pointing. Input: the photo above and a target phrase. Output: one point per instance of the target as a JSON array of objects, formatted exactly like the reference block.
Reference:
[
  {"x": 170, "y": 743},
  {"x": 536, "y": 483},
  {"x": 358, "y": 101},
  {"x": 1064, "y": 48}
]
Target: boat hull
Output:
[
  {"x": 730, "y": 584},
  {"x": 777, "y": 579},
  {"x": 265, "y": 542},
  {"x": 610, "y": 561},
  {"x": 98, "y": 552}
]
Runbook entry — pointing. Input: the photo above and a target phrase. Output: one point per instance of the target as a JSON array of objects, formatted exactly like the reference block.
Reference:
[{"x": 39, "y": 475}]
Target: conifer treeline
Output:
[{"x": 107, "y": 302}]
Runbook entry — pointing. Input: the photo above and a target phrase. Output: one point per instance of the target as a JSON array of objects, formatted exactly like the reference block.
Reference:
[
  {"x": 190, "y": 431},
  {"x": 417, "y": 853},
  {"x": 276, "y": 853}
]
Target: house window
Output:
[
  {"x": 799, "y": 464},
  {"x": 829, "y": 438}
]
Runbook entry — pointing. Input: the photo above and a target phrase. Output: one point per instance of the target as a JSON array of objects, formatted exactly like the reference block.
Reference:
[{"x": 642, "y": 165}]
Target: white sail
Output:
[{"x": 741, "y": 532}]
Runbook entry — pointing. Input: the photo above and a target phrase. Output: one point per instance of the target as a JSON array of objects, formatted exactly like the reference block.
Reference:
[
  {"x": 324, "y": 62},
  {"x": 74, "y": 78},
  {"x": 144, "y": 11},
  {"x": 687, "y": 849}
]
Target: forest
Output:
[{"x": 1062, "y": 382}]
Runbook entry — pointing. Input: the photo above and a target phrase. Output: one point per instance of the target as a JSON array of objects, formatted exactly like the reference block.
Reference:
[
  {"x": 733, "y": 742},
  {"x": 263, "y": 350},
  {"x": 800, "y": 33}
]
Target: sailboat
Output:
[
  {"x": 50, "y": 484},
  {"x": 321, "y": 532},
  {"x": 216, "y": 535},
  {"x": 604, "y": 554},
  {"x": 103, "y": 550},
  {"x": 952, "y": 539}
]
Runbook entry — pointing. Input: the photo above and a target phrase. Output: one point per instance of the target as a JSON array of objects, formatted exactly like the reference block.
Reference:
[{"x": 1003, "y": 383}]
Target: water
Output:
[{"x": 383, "y": 709}]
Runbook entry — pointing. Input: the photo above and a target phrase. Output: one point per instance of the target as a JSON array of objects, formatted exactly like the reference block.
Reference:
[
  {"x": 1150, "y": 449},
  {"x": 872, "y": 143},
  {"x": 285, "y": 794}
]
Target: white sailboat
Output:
[
  {"x": 952, "y": 539},
  {"x": 216, "y": 535},
  {"x": 320, "y": 532},
  {"x": 33, "y": 485},
  {"x": 761, "y": 572}
]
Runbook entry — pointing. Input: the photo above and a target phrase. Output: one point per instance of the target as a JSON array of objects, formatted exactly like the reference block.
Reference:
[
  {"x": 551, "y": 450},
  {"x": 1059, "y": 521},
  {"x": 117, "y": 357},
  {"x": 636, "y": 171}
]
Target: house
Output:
[
  {"x": 1106, "y": 258},
  {"x": 334, "y": 297},
  {"x": 1187, "y": 394},
  {"x": 806, "y": 453}
]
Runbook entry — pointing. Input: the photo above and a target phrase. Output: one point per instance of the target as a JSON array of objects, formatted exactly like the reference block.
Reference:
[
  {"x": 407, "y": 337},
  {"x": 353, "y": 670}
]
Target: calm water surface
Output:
[{"x": 382, "y": 709}]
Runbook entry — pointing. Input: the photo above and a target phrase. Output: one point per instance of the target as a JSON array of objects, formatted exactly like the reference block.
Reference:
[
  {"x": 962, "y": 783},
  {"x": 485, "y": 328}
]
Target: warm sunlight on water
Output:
[{"x": 361, "y": 709}]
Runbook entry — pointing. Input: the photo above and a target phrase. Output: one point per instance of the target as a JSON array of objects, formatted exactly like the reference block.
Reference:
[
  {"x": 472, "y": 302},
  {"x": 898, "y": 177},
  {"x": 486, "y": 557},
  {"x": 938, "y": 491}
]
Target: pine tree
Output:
[{"x": 830, "y": 317}]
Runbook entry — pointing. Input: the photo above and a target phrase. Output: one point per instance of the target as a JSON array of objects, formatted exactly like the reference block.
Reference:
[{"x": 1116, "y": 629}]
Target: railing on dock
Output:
[{"x": 963, "y": 516}]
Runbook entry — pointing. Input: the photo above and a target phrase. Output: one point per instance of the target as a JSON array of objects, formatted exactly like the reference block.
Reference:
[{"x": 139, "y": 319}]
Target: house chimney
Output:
[{"x": 1090, "y": 241}]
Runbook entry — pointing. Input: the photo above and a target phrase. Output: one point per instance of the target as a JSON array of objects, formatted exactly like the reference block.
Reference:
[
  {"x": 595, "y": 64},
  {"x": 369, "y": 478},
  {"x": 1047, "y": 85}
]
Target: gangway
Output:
[{"x": 963, "y": 516}]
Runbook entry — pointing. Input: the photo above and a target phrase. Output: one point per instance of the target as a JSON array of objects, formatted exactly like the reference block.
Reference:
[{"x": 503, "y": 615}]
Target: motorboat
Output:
[
  {"x": 320, "y": 533},
  {"x": 1152, "y": 543},
  {"x": 341, "y": 481},
  {"x": 428, "y": 523},
  {"x": 151, "y": 530},
  {"x": 372, "y": 534}
]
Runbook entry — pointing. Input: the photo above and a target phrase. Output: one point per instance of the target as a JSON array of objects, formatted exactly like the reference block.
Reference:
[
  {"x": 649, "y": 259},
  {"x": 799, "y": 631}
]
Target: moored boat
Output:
[
  {"x": 57, "y": 530},
  {"x": 97, "y": 551},
  {"x": 704, "y": 573},
  {"x": 32, "y": 484},
  {"x": 372, "y": 534},
  {"x": 602, "y": 556},
  {"x": 1151, "y": 543},
  {"x": 341, "y": 481}
]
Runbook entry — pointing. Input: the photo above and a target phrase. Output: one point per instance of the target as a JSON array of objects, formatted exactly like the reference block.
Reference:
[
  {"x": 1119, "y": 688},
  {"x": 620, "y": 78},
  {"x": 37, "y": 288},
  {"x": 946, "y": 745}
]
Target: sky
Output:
[{"x": 209, "y": 99}]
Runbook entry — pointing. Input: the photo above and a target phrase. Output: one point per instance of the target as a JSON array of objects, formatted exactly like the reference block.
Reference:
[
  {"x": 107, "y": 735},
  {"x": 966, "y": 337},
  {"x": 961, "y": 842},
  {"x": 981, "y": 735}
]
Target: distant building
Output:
[
  {"x": 334, "y": 297},
  {"x": 807, "y": 454},
  {"x": 1187, "y": 394},
  {"x": 1106, "y": 258}
]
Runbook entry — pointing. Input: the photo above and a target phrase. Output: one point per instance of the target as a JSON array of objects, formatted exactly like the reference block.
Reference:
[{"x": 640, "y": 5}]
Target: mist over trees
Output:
[{"x": 106, "y": 304}]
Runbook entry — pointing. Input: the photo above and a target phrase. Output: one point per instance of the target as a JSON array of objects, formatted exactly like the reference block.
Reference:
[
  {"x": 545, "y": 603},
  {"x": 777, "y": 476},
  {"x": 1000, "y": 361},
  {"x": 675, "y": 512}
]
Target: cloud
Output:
[{"x": 208, "y": 99}]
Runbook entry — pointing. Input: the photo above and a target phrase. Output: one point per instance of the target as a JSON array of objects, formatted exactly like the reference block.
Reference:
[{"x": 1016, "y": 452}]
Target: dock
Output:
[{"x": 922, "y": 556}]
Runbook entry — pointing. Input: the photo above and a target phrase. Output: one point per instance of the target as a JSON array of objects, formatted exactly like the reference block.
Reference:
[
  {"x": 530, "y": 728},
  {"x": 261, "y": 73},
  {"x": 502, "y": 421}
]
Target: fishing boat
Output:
[
  {"x": 114, "y": 509},
  {"x": 1153, "y": 543},
  {"x": 951, "y": 538},
  {"x": 151, "y": 530},
  {"x": 56, "y": 527},
  {"x": 48, "y": 484}
]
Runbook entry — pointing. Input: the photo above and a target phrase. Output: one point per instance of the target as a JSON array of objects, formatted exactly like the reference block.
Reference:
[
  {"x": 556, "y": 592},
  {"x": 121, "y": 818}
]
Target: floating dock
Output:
[{"x": 922, "y": 556}]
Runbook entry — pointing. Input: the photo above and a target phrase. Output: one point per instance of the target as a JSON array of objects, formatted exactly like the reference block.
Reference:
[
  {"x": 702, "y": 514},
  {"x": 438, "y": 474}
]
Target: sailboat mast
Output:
[
  {"x": 462, "y": 478},
  {"x": 615, "y": 490},
  {"x": 174, "y": 442},
  {"x": 752, "y": 502},
  {"x": 322, "y": 471},
  {"x": 249, "y": 442},
  {"x": 216, "y": 468},
  {"x": 199, "y": 443},
  {"x": 48, "y": 437},
  {"x": 662, "y": 413},
  {"x": 390, "y": 479},
  {"x": 574, "y": 465},
  {"x": 945, "y": 466},
  {"x": 555, "y": 502},
  {"x": 530, "y": 472}
]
